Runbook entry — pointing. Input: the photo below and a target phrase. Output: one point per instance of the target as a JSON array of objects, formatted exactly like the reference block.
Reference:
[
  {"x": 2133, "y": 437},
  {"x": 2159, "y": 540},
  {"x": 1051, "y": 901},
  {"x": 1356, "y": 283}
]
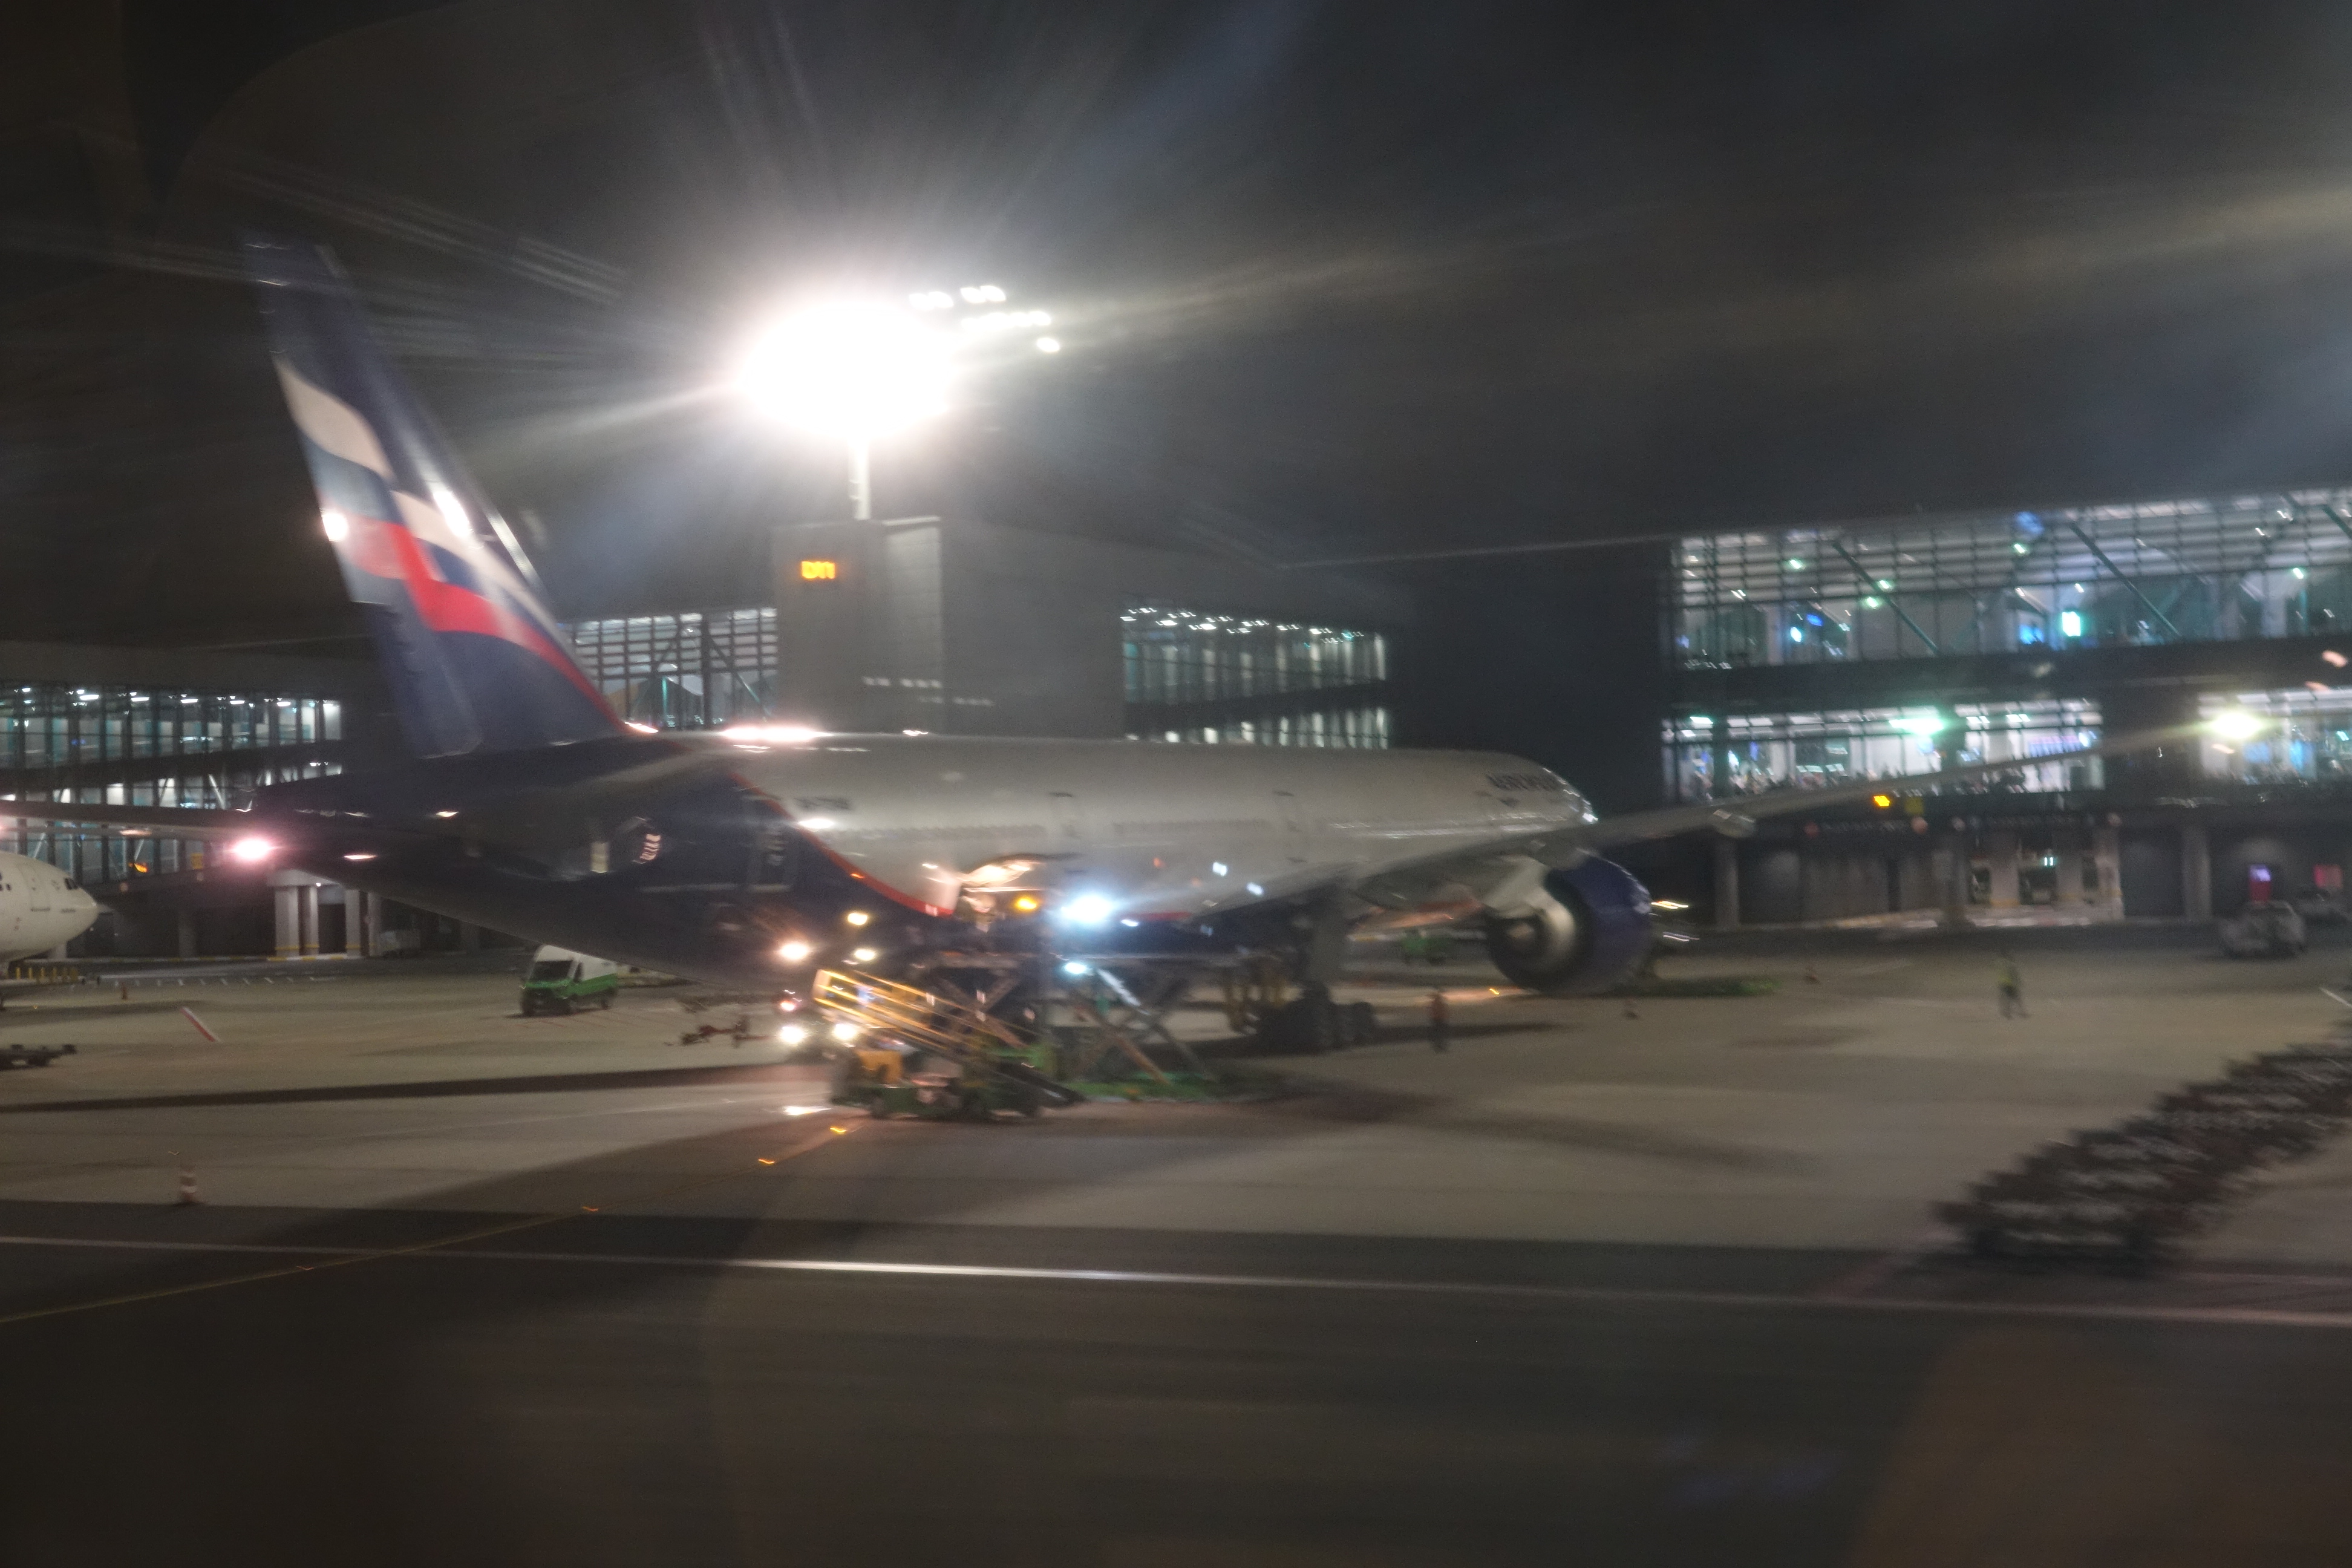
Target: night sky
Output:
[{"x": 1335, "y": 278}]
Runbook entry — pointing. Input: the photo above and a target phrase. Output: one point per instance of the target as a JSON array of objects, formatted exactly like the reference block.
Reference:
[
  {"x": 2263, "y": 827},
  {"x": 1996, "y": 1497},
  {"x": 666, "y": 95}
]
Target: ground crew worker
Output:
[
  {"x": 2012, "y": 987},
  {"x": 1440, "y": 1022}
]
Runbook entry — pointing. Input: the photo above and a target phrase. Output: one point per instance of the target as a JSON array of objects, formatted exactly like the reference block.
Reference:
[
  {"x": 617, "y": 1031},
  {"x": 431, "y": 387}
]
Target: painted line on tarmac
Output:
[
  {"x": 1595, "y": 1295},
  {"x": 345, "y": 1256}
]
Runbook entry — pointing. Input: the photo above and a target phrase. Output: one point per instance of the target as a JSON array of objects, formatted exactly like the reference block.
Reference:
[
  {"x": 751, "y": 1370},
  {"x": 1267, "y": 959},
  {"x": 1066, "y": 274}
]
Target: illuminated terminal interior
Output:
[
  {"x": 2133, "y": 575},
  {"x": 2267, "y": 737},
  {"x": 692, "y": 670},
  {"x": 1713, "y": 757},
  {"x": 119, "y": 746},
  {"x": 1193, "y": 676}
]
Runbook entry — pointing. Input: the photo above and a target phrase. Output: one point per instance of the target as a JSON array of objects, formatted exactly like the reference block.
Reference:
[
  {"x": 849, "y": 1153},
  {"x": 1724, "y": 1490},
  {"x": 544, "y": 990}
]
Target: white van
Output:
[{"x": 561, "y": 981}]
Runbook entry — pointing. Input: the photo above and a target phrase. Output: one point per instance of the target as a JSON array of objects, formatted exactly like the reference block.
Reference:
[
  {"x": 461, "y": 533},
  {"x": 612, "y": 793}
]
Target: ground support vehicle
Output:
[
  {"x": 918, "y": 1053},
  {"x": 2266, "y": 930},
  {"x": 560, "y": 980},
  {"x": 32, "y": 1056}
]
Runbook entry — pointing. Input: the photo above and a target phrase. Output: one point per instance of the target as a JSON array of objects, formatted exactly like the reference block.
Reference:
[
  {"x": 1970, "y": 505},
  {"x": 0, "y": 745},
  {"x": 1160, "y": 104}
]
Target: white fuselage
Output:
[
  {"x": 41, "y": 907},
  {"x": 1158, "y": 831}
]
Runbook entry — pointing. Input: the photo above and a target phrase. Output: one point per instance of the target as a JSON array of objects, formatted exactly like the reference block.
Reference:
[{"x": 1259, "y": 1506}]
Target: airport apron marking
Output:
[
  {"x": 453, "y": 1247},
  {"x": 344, "y": 1256}
]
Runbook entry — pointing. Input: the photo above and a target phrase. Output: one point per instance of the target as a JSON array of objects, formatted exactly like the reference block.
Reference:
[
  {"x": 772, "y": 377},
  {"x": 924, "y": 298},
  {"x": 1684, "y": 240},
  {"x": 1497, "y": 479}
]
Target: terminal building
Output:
[
  {"x": 1829, "y": 654},
  {"x": 170, "y": 727}
]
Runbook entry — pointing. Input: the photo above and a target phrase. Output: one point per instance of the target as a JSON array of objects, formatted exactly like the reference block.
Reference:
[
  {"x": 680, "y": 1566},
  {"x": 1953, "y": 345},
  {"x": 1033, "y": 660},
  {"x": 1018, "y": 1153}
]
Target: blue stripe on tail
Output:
[{"x": 474, "y": 661}]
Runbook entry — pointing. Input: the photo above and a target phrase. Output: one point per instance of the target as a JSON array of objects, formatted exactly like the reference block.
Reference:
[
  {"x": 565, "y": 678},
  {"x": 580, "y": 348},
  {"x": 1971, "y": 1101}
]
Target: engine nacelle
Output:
[{"x": 1586, "y": 931}]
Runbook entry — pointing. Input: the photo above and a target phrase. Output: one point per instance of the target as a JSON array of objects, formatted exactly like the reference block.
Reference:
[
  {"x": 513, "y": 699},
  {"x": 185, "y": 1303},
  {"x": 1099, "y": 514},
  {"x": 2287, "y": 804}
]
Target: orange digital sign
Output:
[{"x": 820, "y": 571}]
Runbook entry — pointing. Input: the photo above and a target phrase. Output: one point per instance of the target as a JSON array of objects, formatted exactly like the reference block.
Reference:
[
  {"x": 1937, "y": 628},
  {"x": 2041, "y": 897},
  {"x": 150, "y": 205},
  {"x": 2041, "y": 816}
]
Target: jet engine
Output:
[{"x": 1581, "y": 932}]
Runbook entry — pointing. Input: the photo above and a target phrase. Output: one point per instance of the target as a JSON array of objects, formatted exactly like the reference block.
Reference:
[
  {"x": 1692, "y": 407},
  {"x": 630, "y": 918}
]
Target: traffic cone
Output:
[{"x": 188, "y": 1186}]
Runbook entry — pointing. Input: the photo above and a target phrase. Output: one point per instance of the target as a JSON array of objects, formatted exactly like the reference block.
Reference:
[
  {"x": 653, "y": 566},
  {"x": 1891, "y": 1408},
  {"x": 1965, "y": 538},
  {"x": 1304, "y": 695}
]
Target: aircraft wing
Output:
[
  {"x": 1497, "y": 872},
  {"x": 173, "y": 822}
]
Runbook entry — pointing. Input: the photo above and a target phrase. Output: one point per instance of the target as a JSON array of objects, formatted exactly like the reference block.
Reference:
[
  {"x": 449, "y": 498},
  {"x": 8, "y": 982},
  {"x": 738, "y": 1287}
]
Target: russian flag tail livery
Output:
[{"x": 474, "y": 661}]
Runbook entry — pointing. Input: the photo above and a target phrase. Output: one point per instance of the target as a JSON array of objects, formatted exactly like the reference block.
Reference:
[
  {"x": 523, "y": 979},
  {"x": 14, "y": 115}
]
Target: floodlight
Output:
[
  {"x": 850, "y": 370},
  {"x": 251, "y": 851},
  {"x": 2236, "y": 724},
  {"x": 1088, "y": 910}
]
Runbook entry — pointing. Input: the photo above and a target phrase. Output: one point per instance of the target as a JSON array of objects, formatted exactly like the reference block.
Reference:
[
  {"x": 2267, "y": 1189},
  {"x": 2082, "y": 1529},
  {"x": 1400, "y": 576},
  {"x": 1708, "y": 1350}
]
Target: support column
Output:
[
  {"x": 2195, "y": 872},
  {"x": 374, "y": 906},
  {"x": 1727, "y": 883},
  {"x": 188, "y": 934},
  {"x": 1950, "y": 862},
  {"x": 2070, "y": 868},
  {"x": 2000, "y": 858},
  {"x": 308, "y": 894},
  {"x": 2107, "y": 854},
  {"x": 289, "y": 921},
  {"x": 354, "y": 930}
]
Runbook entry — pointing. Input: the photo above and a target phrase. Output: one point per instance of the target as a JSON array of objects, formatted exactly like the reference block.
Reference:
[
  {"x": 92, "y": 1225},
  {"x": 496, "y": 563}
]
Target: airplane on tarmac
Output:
[
  {"x": 41, "y": 909},
  {"x": 751, "y": 857}
]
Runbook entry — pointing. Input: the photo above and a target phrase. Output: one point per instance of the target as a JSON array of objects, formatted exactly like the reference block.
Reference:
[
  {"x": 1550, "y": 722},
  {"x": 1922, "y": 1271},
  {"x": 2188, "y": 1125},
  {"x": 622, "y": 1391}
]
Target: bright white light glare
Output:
[
  {"x": 1075, "y": 967},
  {"x": 772, "y": 734},
  {"x": 251, "y": 851},
  {"x": 2236, "y": 724},
  {"x": 792, "y": 1034},
  {"x": 794, "y": 952},
  {"x": 1006, "y": 320},
  {"x": 864, "y": 955},
  {"x": 1088, "y": 910},
  {"x": 2070, "y": 623},
  {"x": 844, "y": 1032},
  {"x": 1049, "y": 345},
  {"x": 932, "y": 300},
  {"x": 857, "y": 917},
  {"x": 338, "y": 526},
  {"x": 641, "y": 729},
  {"x": 983, "y": 294},
  {"x": 850, "y": 370},
  {"x": 445, "y": 814},
  {"x": 1921, "y": 723},
  {"x": 362, "y": 855},
  {"x": 801, "y": 1110},
  {"x": 1216, "y": 867}
]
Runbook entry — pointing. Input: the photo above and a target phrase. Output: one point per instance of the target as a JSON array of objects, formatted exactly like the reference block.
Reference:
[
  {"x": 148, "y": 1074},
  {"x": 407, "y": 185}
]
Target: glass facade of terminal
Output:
[
  {"x": 2297, "y": 735},
  {"x": 695, "y": 670},
  {"x": 1191, "y": 675},
  {"x": 121, "y": 746},
  {"x": 2206, "y": 570},
  {"x": 1710, "y": 757}
]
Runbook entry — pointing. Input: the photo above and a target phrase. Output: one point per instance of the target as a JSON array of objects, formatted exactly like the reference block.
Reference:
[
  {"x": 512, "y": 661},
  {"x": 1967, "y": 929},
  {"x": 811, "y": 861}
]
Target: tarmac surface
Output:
[{"x": 469, "y": 1287}]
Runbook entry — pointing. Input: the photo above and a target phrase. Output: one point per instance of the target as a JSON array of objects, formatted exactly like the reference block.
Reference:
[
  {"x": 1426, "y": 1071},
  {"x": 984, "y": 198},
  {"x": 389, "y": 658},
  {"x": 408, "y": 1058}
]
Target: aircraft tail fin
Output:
[{"x": 474, "y": 661}]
